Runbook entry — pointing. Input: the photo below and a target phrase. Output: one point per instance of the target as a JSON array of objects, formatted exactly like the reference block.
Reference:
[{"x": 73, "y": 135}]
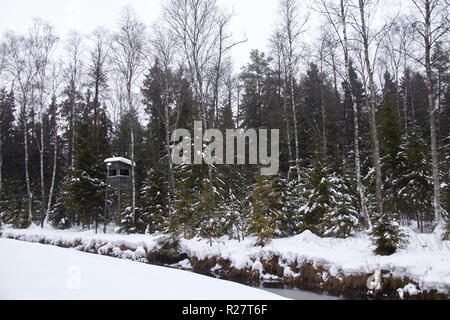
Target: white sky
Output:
[{"x": 254, "y": 18}]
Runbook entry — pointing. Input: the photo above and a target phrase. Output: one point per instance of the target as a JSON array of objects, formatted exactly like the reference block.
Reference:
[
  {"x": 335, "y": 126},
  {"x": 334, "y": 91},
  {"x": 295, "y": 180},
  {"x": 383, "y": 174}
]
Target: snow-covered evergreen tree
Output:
[
  {"x": 390, "y": 133},
  {"x": 153, "y": 200},
  {"x": 292, "y": 198},
  {"x": 416, "y": 189},
  {"x": 343, "y": 217},
  {"x": 207, "y": 209},
  {"x": 185, "y": 218},
  {"x": 266, "y": 210},
  {"x": 59, "y": 216},
  {"x": 15, "y": 206},
  {"x": 387, "y": 236}
]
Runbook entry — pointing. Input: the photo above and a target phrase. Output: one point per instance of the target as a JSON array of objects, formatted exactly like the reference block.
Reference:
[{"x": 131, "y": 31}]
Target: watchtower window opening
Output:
[
  {"x": 124, "y": 172},
  {"x": 112, "y": 173}
]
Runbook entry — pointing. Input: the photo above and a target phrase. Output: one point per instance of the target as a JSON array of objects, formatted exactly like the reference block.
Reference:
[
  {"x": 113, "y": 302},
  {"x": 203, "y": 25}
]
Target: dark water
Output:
[{"x": 297, "y": 294}]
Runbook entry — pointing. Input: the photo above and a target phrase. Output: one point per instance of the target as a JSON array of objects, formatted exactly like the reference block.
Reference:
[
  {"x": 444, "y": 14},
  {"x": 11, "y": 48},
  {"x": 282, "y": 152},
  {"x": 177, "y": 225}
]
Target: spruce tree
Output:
[
  {"x": 236, "y": 206},
  {"x": 292, "y": 199},
  {"x": 60, "y": 217},
  {"x": 153, "y": 200},
  {"x": 83, "y": 189},
  {"x": 416, "y": 189},
  {"x": 343, "y": 218},
  {"x": 390, "y": 136},
  {"x": 318, "y": 202},
  {"x": 185, "y": 219},
  {"x": 266, "y": 209},
  {"x": 15, "y": 206},
  {"x": 211, "y": 222},
  {"x": 387, "y": 236}
]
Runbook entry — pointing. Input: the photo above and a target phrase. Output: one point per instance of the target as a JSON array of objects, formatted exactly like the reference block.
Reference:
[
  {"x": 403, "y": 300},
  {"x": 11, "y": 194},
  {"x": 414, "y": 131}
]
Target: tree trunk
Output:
[
  {"x": 405, "y": 102},
  {"x": 324, "y": 117},
  {"x": 72, "y": 127},
  {"x": 133, "y": 181},
  {"x": 170, "y": 190},
  {"x": 360, "y": 186},
  {"x": 288, "y": 128},
  {"x": 297, "y": 155},
  {"x": 27, "y": 175},
  {"x": 41, "y": 161},
  {"x": 372, "y": 102},
  {"x": 52, "y": 186},
  {"x": 434, "y": 150}
]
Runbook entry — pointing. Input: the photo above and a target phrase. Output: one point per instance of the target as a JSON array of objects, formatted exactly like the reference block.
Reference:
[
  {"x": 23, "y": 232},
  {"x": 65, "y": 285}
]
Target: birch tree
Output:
[
  {"x": 292, "y": 28},
  {"x": 279, "y": 52},
  {"x": 99, "y": 56},
  {"x": 2, "y": 69},
  {"x": 128, "y": 51},
  {"x": 432, "y": 25},
  {"x": 21, "y": 67},
  {"x": 194, "y": 25},
  {"x": 74, "y": 71},
  {"x": 164, "y": 48},
  {"x": 56, "y": 81},
  {"x": 367, "y": 39},
  {"x": 42, "y": 43},
  {"x": 337, "y": 16}
]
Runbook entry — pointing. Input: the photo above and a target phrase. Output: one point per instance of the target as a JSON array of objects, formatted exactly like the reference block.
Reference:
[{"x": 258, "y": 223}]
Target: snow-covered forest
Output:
[{"x": 363, "y": 112}]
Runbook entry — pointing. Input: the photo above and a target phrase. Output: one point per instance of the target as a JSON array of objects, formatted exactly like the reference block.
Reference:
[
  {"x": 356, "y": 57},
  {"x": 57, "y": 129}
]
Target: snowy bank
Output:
[
  {"x": 328, "y": 262},
  {"x": 36, "y": 271}
]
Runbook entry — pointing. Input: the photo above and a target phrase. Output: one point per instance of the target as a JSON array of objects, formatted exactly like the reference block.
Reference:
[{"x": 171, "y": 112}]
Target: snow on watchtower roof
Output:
[{"x": 122, "y": 160}]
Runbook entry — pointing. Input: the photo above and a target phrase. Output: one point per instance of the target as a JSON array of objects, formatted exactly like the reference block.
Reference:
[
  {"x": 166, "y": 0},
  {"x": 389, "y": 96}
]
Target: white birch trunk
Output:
[
  {"x": 52, "y": 186},
  {"x": 41, "y": 161},
  {"x": 27, "y": 175},
  {"x": 360, "y": 187},
  {"x": 372, "y": 102},
  {"x": 434, "y": 151}
]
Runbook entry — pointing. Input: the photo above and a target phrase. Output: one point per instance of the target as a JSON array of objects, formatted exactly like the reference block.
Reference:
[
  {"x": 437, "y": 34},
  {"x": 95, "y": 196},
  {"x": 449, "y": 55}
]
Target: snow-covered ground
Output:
[
  {"x": 36, "y": 271},
  {"x": 426, "y": 260}
]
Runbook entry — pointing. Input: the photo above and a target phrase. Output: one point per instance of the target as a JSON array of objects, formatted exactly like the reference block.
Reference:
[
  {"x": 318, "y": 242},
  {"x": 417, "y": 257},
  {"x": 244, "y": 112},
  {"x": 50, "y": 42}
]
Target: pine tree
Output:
[{"x": 265, "y": 211}]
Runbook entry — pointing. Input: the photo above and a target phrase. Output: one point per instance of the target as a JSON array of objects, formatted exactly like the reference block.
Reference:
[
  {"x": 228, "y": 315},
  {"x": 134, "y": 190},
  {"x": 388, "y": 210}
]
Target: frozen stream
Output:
[{"x": 297, "y": 294}]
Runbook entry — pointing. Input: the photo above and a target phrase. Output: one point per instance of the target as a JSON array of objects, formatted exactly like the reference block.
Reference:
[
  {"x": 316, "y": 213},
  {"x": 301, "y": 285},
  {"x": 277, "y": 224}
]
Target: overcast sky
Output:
[{"x": 254, "y": 18}]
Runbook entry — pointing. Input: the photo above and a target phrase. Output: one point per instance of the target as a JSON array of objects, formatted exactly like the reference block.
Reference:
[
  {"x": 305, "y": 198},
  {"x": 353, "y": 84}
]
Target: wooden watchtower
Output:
[{"x": 118, "y": 181}]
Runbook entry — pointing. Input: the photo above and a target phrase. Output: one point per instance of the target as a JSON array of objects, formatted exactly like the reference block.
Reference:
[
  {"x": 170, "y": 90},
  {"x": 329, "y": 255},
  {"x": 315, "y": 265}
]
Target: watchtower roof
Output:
[{"x": 121, "y": 160}]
